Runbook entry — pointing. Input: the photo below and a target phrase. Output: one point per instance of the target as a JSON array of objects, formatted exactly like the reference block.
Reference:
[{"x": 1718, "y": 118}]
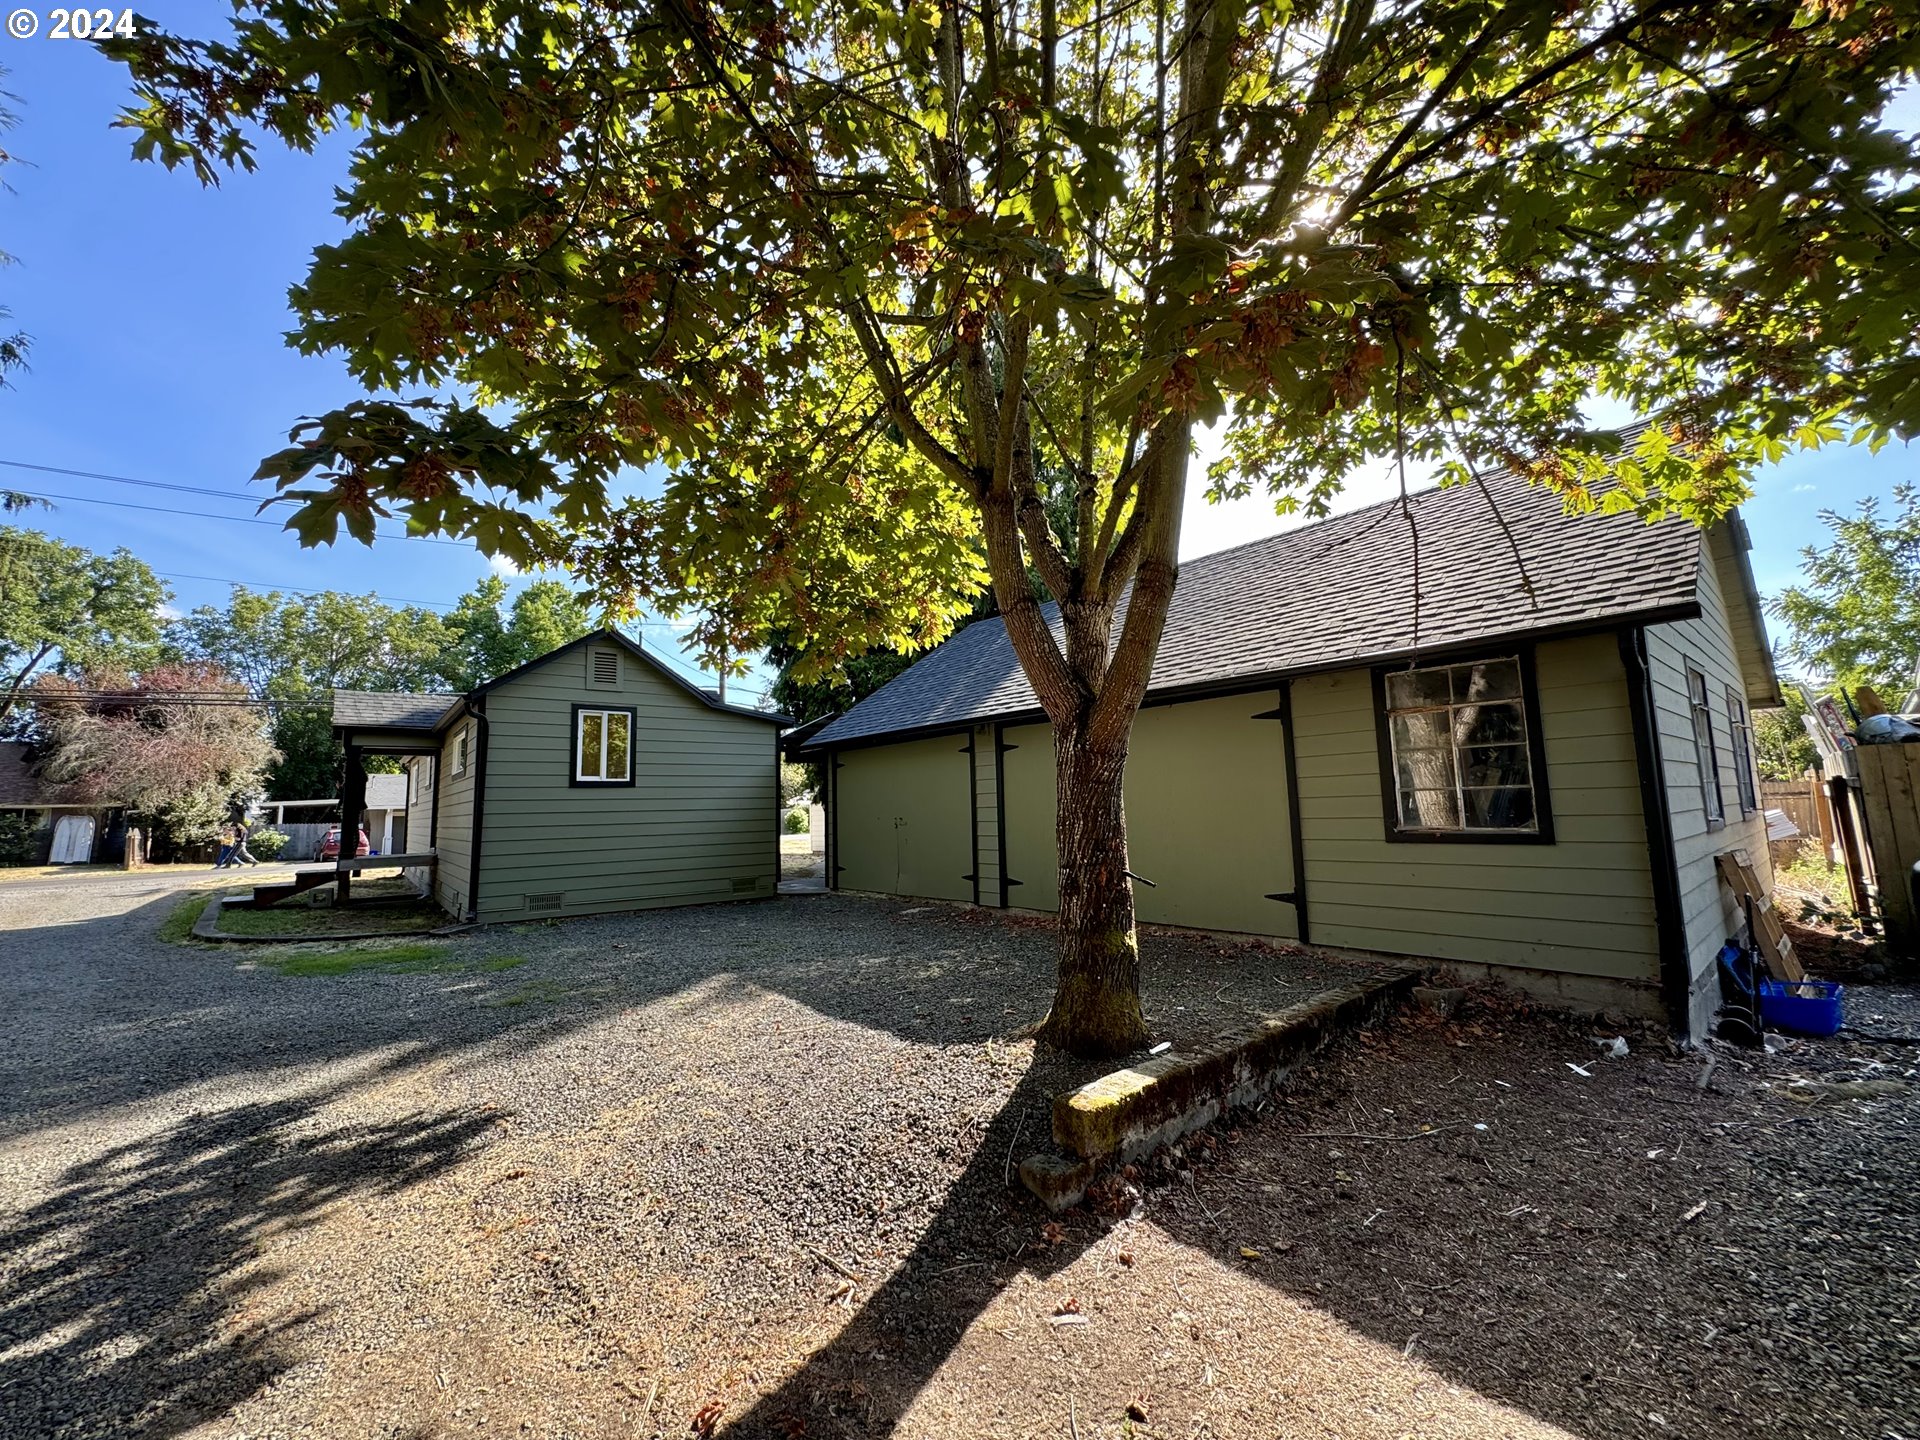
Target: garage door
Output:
[
  {"x": 904, "y": 819},
  {"x": 1206, "y": 817}
]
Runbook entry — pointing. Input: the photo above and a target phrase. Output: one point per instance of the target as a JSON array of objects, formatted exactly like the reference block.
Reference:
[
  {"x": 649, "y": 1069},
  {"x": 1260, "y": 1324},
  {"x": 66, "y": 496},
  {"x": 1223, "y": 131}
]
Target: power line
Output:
[
  {"x": 260, "y": 588},
  {"x": 129, "y": 480},
  {"x": 233, "y": 519}
]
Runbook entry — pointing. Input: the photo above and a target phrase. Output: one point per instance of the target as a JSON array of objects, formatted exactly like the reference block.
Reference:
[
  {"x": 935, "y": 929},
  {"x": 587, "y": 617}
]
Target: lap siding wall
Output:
[
  {"x": 1710, "y": 911},
  {"x": 1580, "y": 905},
  {"x": 699, "y": 823},
  {"x": 1208, "y": 821}
]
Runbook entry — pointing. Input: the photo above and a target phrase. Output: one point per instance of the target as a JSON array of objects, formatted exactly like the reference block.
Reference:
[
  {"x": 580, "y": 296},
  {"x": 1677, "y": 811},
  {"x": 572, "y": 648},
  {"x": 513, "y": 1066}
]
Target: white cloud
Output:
[
  {"x": 502, "y": 565},
  {"x": 1805, "y": 489},
  {"x": 169, "y": 611}
]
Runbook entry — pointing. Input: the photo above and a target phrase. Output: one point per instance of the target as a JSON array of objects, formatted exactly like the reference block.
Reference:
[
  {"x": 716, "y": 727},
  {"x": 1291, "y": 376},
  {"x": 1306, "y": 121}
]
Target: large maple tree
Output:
[{"x": 856, "y": 276}]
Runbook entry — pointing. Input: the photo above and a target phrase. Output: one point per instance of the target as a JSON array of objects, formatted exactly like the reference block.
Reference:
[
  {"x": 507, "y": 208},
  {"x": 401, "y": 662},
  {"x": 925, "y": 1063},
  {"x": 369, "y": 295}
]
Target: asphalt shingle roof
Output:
[
  {"x": 1339, "y": 593},
  {"x": 18, "y": 784},
  {"x": 389, "y": 709}
]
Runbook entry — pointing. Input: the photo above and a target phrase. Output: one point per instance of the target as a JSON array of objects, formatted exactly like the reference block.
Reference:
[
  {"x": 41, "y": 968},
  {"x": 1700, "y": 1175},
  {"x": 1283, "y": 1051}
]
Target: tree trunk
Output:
[{"x": 1096, "y": 1006}]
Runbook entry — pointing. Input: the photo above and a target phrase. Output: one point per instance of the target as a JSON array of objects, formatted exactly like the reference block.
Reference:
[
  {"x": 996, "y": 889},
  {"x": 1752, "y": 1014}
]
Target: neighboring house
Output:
[
  {"x": 1536, "y": 778},
  {"x": 592, "y": 779},
  {"x": 66, "y": 834},
  {"x": 306, "y": 822}
]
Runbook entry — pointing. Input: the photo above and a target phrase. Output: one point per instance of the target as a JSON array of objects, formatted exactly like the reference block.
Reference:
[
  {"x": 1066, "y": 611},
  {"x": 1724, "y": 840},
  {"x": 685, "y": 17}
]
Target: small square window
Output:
[
  {"x": 602, "y": 747},
  {"x": 1462, "y": 762}
]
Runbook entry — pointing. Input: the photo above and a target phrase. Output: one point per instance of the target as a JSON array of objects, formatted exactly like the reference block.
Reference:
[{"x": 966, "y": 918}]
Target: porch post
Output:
[{"x": 353, "y": 801}]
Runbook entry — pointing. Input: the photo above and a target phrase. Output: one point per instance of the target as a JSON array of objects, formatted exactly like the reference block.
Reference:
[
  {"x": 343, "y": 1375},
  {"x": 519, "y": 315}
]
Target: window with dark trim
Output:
[
  {"x": 1463, "y": 759},
  {"x": 1704, "y": 753},
  {"x": 1742, "y": 752},
  {"x": 602, "y": 746}
]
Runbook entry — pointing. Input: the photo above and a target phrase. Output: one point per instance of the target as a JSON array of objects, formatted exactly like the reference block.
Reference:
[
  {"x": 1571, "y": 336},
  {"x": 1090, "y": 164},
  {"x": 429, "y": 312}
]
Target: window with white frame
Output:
[
  {"x": 602, "y": 747},
  {"x": 1460, "y": 751},
  {"x": 1704, "y": 753},
  {"x": 462, "y": 744},
  {"x": 1742, "y": 752}
]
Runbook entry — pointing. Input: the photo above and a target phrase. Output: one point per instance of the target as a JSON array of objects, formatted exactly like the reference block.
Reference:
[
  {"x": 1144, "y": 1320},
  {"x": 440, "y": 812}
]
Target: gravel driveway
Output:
[{"x": 742, "y": 1170}]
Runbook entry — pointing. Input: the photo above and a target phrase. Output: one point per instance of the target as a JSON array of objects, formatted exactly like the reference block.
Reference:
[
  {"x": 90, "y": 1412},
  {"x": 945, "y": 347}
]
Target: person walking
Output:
[
  {"x": 241, "y": 855},
  {"x": 226, "y": 848}
]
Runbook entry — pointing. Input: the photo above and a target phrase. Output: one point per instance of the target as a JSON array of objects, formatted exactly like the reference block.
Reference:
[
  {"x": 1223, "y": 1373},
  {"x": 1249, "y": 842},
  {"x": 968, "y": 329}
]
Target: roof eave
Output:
[{"x": 1261, "y": 680}]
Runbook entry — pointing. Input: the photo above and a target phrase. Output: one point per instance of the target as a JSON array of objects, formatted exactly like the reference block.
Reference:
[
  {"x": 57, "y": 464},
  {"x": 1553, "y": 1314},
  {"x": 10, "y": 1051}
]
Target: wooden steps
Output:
[{"x": 266, "y": 895}]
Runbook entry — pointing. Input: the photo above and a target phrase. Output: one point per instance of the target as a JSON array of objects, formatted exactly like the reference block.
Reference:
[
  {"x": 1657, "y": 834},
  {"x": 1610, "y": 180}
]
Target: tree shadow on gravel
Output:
[
  {"x": 987, "y": 1231},
  {"x": 126, "y": 1298},
  {"x": 124, "y": 1293}
]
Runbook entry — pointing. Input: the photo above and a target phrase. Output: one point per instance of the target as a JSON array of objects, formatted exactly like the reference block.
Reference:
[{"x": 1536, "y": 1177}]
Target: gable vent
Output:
[
  {"x": 548, "y": 902},
  {"x": 606, "y": 667}
]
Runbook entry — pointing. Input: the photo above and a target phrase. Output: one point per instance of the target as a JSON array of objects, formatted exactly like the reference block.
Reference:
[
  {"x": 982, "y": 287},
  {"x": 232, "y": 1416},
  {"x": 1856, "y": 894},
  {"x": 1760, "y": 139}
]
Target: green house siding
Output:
[
  {"x": 698, "y": 823},
  {"x": 1582, "y": 904},
  {"x": 452, "y": 829},
  {"x": 903, "y": 819},
  {"x": 1707, "y": 644}
]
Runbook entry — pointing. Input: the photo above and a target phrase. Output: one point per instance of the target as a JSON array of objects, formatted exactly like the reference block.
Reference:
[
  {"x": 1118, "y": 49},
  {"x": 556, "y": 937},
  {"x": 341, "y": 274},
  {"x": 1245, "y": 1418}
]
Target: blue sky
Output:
[{"x": 157, "y": 310}]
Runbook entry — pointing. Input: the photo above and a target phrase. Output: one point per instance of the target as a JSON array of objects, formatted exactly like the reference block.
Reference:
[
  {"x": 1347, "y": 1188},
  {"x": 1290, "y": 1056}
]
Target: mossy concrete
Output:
[{"x": 1130, "y": 1113}]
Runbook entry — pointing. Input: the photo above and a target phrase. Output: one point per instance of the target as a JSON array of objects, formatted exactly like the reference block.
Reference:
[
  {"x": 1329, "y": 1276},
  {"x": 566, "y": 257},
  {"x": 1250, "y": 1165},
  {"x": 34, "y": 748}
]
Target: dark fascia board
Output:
[
  {"x": 389, "y": 740},
  {"x": 1268, "y": 679},
  {"x": 794, "y": 741},
  {"x": 1762, "y": 690},
  {"x": 606, "y": 635}
]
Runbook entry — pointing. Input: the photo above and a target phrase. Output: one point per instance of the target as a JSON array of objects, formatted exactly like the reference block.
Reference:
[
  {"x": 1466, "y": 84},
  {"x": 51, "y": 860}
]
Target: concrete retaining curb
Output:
[{"x": 1120, "y": 1117}]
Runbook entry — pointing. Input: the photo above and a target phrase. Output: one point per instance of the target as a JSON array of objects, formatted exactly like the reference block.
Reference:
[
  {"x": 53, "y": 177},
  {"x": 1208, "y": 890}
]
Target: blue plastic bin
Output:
[{"x": 1802, "y": 1007}]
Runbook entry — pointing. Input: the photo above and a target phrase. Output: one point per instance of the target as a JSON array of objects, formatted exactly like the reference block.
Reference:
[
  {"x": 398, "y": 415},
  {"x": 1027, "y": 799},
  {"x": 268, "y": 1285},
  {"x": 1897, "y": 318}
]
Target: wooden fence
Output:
[
  {"x": 1805, "y": 802},
  {"x": 1890, "y": 802}
]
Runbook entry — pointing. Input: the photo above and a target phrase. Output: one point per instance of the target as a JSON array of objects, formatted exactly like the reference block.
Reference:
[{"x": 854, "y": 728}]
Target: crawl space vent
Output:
[
  {"x": 745, "y": 884},
  {"x": 548, "y": 902},
  {"x": 606, "y": 667}
]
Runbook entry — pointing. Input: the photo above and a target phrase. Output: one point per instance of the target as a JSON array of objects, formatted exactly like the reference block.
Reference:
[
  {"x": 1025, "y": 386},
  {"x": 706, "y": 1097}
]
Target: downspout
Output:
[
  {"x": 1663, "y": 861},
  {"x": 479, "y": 712}
]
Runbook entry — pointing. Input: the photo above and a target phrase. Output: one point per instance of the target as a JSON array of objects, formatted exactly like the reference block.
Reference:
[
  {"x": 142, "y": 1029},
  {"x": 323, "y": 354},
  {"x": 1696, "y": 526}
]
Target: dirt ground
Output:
[{"x": 748, "y": 1171}]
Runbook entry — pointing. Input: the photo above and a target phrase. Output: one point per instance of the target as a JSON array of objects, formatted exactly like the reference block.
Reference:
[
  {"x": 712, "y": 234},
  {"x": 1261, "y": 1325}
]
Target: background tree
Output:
[
  {"x": 1856, "y": 618},
  {"x": 295, "y": 650},
  {"x": 63, "y": 608},
  {"x": 857, "y": 274},
  {"x": 1782, "y": 749},
  {"x": 175, "y": 744},
  {"x": 14, "y": 346},
  {"x": 487, "y": 637}
]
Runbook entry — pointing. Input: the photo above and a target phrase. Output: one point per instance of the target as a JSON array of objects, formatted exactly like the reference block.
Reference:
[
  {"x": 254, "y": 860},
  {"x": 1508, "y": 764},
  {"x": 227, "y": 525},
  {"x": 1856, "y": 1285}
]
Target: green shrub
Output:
[
  {"x": 265, "y": 844},
  {"x": 796, "y": 822},
  {"x": 19, "y": 840}
]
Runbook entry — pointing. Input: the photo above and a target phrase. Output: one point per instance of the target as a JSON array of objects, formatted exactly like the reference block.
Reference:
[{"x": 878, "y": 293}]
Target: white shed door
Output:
[{"x": 73, "y": 840}]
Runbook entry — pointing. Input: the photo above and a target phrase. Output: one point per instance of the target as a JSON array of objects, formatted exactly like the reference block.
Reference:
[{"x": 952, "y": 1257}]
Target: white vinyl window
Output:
[
  {"x": 1705, "y": 754},
  {"x": 602, "y": 747},
  {"x": 462, "y": 743},
  {"x": 1461, "y": 755}
]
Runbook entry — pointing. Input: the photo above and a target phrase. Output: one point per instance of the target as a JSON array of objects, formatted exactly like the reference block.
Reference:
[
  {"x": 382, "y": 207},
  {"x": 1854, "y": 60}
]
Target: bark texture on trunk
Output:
[{"x": 1096, "y": 1004}]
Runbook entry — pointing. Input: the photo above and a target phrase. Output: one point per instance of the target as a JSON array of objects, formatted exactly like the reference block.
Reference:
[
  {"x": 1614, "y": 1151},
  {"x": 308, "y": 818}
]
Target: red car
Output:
[{"x": 330, "y": 846}]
